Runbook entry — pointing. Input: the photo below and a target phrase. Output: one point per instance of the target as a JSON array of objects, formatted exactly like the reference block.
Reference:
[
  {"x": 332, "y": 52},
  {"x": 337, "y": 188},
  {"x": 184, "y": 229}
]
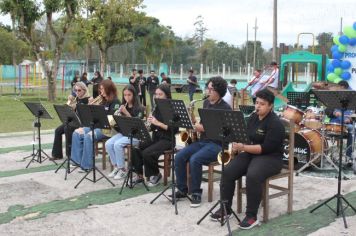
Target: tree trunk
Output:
[{"x": 103, "y": 54}]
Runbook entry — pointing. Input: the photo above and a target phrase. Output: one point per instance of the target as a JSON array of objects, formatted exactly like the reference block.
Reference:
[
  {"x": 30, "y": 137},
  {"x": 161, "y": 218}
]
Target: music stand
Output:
[
  {"x": 69, "y": 118},
  {"x": 39, "y": 112},
  {"x": 299, "y": 99},
  {"x": 174, "y": 113},
  {"x": 226, "y": 126},
  {"x": 93, "y": 116},
  {"x": 337, "y": 99},
  {"x": 132, "y": 127},
  {"x": 246, "y": 109}
]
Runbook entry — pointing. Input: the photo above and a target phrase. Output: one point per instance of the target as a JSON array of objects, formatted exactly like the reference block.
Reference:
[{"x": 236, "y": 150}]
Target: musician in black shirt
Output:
[
  {"x": 96, "y": 81},
  {"x": 204, "y": 151},
  {"x": 134, "y": 80},
  {"x": 258, "y": 160},
  {"x": 152, "y": 83},
  {"x": 165, "y": 79},
  {"x": 142, "y": 88}
]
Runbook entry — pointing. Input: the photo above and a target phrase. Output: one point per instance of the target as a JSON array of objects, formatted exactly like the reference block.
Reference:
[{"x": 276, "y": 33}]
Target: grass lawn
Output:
[{"x": 15, "y": 117}]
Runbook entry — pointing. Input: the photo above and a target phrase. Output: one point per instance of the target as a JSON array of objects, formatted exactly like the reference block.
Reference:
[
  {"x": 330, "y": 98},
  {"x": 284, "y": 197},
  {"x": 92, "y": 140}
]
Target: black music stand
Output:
[
  {"x": 93, "y": 116},
  {"x": 299, "y": 99},
  {"x": 39, "y": 112},
  {"x": 174, "y": 113},
  {"x": 226, "y": 126},
  {"x": 69, "y": 118},
  {"x": 247, "y": 109},
  {"x": 338, "y": 99},
  {"x": 132, "y": 127}
]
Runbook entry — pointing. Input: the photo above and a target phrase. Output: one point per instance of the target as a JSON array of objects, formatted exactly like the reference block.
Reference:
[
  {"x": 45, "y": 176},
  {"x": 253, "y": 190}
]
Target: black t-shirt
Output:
[
  {"x": 220, "y": 105},
  {"x": 111, "y": 107},
  {"x": 135, "y": 83},
  {"x": 142, "y": 83},
  {"x": 167, "y": 79},
  {"x": 152, "y": 83},
  {"x": 269, "y": 133},
  {"x": 192, "y": 86},
  {"x": 96, "y": 82},
  {"x": 157, "y": 132}
]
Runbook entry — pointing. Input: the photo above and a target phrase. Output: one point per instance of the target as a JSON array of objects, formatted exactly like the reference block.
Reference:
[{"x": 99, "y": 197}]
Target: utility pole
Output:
[
  {"x": 340, "y": 33},
  {"x": 246, "y": 47},
  {"x": 274, "y": 50},
  {"x": 254, "y": 45}
]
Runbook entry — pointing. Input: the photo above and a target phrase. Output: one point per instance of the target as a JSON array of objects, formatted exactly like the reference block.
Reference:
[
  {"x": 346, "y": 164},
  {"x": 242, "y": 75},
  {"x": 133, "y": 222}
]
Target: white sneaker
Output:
[
  {"x": 121, "y": 173},
  {"x": 113, "y": 172}
]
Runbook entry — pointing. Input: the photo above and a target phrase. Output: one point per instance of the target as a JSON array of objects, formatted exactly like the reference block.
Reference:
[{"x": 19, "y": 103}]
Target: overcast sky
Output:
[{"x": 227, "y": 20}]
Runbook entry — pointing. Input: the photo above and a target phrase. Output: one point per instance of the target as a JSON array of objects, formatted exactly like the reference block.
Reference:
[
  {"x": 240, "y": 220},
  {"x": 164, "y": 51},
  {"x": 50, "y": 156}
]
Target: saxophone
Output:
[
  {"x": 97, "y": 101},
  {"x": 190, "y": 136}
]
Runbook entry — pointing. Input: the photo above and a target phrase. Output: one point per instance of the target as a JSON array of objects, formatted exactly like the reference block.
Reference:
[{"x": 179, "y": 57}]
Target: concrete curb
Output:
[{"x": 24, "y": 133}]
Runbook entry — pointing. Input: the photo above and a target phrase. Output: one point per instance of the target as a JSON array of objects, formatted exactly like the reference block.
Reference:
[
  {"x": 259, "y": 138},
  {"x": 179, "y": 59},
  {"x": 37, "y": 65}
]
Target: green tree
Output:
[
  {"x": 325, "y": 41},
  {"x": 109, "y": 22},
  {"x": 9, "y": 44}
]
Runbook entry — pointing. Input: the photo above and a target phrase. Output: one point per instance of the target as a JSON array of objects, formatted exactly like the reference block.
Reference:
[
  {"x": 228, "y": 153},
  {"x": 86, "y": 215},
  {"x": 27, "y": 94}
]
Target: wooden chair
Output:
[
  {"x": 100, "y": 149},
  {"x": 167, "y": 159},
  {"x": 286, "y": 172}
]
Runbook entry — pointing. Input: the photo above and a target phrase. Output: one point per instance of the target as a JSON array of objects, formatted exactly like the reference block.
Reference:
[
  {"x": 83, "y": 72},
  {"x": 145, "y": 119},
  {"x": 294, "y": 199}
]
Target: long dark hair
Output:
[{"x": 136, "y": 102}]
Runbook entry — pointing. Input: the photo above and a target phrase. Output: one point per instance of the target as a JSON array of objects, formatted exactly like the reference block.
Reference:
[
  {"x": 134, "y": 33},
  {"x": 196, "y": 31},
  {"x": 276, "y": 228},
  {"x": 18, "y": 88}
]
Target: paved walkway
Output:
[{"x": 36, "y": 201}]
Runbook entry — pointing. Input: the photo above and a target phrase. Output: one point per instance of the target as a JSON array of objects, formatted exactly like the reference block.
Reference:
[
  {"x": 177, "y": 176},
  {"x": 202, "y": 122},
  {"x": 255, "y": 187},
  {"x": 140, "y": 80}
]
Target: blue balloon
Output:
[
  {"x": 345, "y": 65},
  {"x": 334, "y": 48},
  {"x": 352, "y": 42},
  {"x": 330, "y": 68},
  {"x": 354, "y": 26},
  {"x": 337, "y": 55},
  {"x": 345, "y": 75},
  {"x": 344, "y": 39},
  {"x": 336, "y": 63}
]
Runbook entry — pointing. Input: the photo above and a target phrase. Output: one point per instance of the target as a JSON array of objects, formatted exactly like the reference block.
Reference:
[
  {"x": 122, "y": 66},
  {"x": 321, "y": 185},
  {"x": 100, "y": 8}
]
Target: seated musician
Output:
[
  {"x": 204, "y": 151},
  {"x": 130, "y": 107},
  {"x": 82, "y": 149},
  {"x": 148, "y": 154},
  {"x": 258, "y": 160},
  {"x": 82, "y": 95}
]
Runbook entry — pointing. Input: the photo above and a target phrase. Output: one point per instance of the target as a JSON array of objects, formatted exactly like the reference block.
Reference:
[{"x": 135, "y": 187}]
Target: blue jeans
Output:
[
  {"x": 191, "y": 93},
  {"x": 115, "y": 147},
  {"x": 82, "y": 147},
  {"x": 349, "y": 141},
  {"x": 198, "y": 154}
]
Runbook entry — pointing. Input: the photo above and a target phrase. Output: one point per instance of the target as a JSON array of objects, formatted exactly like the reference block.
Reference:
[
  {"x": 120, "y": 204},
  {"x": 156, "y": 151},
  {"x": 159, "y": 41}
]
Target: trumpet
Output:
[
  {"x": 97, "y": 101},
  {"x": 224, "y": 157}
]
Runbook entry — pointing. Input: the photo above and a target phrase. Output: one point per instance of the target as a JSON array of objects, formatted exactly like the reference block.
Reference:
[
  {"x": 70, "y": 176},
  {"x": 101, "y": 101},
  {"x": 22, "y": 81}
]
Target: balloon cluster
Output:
[{"x": 337, "y": 69}]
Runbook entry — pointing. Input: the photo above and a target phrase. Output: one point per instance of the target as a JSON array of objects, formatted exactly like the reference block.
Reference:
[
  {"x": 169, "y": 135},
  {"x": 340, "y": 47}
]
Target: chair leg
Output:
[
  {"x": 265, "y": 201},
  {"x": 210, "y": 182},
  {"x": 104, "y": 156},
  {"x": 239, "y": 195},
  {"x": 96, "y": 149},
  {"x": 166, "y": 159},
  {"x": 188, "y": 178},
  {"x": 290, "y": 193}
]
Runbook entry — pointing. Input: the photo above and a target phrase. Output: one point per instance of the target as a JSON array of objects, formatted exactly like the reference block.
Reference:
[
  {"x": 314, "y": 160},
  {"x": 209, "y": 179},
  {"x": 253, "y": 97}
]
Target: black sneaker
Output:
[
  {"x": 179, "y": 195},
  {"x": 249, "y": 222},
  {"x": 196, "y": 200},
  {"x": 217, "y": 216}
]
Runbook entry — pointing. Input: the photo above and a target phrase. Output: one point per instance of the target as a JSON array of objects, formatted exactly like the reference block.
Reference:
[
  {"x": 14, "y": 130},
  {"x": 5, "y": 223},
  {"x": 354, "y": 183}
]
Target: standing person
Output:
[
  {"x": 134, "y": 80},
  {"x": 96, "y": 80},
  {"x": 82, "y": 95},
  {"x": 165, "y": 79},
  {"x": 204, "y": 151},
  {"x": 230, "y": 95},
  {"x": 255, "y": 84},
  {"x": 130, "y": 107},
  {"x": 258, "y": 160},
  {"x": 75, "y": 79},
  {"x": 148, "y": 155},
  {"x": 142, "y": 87},
  {"x": 192, "y": 84},
  {"x": 272, "y": 79},
  {"x": 152, "y": 83},
  {"x": 82, "y": 149},
  {"x": 84, "y": 79}
]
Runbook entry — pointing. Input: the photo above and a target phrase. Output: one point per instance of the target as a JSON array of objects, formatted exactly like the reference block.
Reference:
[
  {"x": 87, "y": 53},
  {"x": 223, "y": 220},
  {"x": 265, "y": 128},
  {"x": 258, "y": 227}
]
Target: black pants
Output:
[
  {"x": 143, "y": 97},
  {"x": 148, "y": 157},
  {"x": 57, "y": 143},
  {"x": 151, "y": 98},
  {"x": 257, "y": 169}
]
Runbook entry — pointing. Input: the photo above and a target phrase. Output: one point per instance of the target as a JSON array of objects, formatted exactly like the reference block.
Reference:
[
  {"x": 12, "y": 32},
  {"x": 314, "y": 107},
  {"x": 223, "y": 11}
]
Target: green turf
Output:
[
  {"x": 24, "y": 148},
  {"x": 301, "y": 222},
  {"x": 83, "y": 201}
]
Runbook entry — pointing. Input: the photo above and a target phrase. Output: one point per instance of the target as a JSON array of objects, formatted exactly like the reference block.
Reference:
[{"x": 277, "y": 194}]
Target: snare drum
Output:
[
  {"x": 291, "y": 112},
  {"x": 334, "y": 128},
  {"x": 312, "y": 123}
]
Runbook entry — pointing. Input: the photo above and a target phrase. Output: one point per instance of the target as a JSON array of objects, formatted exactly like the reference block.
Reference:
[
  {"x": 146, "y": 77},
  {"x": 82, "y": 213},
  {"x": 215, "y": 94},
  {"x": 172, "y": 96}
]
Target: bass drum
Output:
[{"x": 307, "y": 144}]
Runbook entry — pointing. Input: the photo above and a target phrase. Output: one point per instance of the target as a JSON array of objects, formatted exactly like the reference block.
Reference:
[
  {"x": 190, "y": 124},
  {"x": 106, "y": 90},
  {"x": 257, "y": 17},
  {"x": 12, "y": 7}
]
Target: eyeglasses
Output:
[{"x": 78, "y": 90}]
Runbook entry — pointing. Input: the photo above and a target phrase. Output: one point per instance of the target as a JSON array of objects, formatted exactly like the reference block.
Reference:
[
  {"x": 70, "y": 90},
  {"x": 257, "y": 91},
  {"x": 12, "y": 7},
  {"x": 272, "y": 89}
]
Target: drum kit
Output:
[{"x": 314, "y": 139}]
